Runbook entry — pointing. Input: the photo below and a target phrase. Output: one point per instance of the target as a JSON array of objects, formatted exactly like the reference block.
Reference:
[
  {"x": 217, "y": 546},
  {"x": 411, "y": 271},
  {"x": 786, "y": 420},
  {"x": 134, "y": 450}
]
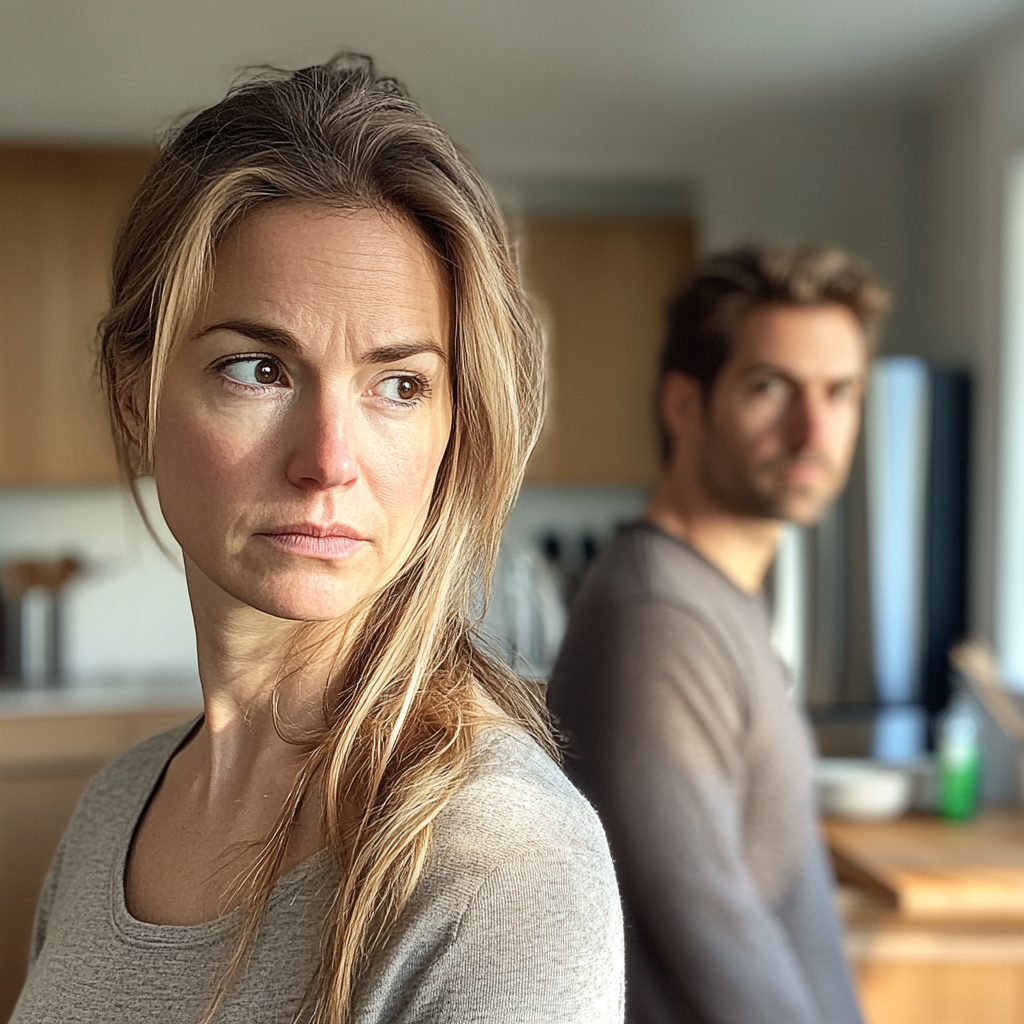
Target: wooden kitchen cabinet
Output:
[
  {"x": 602, "y": 284},
  {"x": 59, "y": 212},
  {"x": 45, "y": 763},
  {"x": 952, "y": 972},
  {"x": 603, "y": 287}
]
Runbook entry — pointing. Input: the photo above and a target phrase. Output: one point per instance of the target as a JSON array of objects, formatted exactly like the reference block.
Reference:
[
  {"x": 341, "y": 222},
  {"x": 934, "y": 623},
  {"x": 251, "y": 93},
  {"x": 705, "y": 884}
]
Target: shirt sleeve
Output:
[
  {"x": 540, "y": 942},
  {"x": 45, "y": 905},
  {"x": 669, "y": 782}
]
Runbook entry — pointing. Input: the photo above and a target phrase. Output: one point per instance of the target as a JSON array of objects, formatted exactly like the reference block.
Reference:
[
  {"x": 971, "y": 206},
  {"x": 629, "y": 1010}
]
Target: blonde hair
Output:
[{"x": 403, "y": 699}]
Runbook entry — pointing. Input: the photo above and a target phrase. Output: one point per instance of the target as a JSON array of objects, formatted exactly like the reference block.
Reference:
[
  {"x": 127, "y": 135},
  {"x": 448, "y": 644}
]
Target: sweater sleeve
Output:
[
  {"x": 669, "y": 782},
  {"x": 540, "y": 942},
  {"x": 44, "y": 906}
]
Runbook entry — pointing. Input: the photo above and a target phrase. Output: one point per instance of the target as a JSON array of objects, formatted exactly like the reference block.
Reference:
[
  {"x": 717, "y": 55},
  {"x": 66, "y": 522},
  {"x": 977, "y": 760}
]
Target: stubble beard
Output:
[{"x": 759, "y": 492}]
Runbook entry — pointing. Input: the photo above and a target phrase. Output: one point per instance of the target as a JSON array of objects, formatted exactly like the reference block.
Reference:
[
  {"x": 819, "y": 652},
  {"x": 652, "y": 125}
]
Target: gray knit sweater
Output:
[
  {"x": 515, "y": 919},
  {"x": 682, "y": 734}
]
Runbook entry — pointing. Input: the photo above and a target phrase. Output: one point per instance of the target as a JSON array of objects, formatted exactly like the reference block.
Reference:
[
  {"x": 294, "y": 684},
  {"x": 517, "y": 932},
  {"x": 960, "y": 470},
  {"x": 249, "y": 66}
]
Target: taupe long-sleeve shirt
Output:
[
  {"x": 683, "y": 736},
  {"x": 515, "y": 919}
]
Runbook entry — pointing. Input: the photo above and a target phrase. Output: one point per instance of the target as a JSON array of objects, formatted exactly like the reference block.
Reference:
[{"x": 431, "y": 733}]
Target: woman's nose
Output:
[{"x": 324, "y": 456}]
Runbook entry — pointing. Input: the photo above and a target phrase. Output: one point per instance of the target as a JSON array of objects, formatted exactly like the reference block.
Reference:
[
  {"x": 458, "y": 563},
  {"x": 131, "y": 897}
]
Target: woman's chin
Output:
[
  {"x": 299, "y": 600},
  {"x": 306, "y": 607}
]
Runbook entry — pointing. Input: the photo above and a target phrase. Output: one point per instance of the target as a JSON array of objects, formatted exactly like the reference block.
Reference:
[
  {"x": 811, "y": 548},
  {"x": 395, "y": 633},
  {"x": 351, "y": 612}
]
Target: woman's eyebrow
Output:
[
  {"x": 265, "y": 334},
  {"x": 278, "y": 337},
  {"x": 402, "y": 350}
]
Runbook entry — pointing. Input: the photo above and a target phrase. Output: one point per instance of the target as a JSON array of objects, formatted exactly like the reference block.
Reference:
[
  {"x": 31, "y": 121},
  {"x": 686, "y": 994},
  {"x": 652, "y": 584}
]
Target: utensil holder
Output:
[{"x": 32, "y": 638}]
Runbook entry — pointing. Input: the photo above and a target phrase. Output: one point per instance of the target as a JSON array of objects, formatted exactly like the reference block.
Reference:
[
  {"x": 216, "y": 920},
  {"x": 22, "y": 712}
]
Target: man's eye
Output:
[
  {"x": 254, "y": 371},
  {"x": 771, "y": 386},
  {"x": 402, "y": 389}
]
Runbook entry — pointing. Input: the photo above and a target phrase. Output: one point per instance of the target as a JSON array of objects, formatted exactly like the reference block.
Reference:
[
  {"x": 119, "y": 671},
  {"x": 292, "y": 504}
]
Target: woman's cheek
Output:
[
  {"x": 212, "y": 453},
  {"x": 402, "y": 464}
]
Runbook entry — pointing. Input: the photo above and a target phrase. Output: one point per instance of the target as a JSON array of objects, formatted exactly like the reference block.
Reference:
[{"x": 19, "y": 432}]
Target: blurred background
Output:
[{"x": 624, "y": 140}]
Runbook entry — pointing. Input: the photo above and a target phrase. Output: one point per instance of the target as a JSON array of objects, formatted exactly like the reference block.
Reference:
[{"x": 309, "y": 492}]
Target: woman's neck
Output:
[{"x": 247, "y": 660}]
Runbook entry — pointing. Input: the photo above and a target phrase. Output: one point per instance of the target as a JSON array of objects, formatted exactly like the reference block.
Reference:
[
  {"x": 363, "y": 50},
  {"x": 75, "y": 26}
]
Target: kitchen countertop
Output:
[
  {"x": 922, "y": 868},
  {"x": 931, "y": 916}
]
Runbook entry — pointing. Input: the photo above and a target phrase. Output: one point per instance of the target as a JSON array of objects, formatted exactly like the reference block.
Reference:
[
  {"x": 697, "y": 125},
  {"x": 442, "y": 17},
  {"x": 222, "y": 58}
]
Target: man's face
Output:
[{"x": 781, "y": 421}]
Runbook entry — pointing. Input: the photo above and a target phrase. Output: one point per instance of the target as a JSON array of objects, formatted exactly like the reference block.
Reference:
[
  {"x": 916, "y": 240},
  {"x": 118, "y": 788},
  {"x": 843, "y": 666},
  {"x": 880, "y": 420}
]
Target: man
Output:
[{"x": 680, "y": 727}]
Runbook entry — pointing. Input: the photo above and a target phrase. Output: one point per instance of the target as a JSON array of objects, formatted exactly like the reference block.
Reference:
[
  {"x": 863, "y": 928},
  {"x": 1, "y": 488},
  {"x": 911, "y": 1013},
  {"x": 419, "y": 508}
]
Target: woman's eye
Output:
[
  {"x": 402, "y": 389},
  {"x": 263, "y": 372}
]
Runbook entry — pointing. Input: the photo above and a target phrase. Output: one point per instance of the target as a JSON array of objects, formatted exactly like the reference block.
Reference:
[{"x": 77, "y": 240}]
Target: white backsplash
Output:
[{"x": 128, "y": 614}]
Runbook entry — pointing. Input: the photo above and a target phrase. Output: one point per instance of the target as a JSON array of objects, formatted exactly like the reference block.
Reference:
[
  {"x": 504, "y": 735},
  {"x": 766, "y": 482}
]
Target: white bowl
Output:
[{"x": 862, "y": 789}]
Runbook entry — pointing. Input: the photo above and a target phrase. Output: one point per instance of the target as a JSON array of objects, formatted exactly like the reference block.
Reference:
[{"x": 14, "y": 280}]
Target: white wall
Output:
[
  {"x": 848, "y": 172},
  {"x": 840, "y": 172}
]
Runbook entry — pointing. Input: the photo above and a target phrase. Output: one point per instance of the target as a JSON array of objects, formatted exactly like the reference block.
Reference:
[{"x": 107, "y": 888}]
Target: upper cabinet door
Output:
[
  {"x": 602, "y": 288},
  {"x": 59, "y": 213}
]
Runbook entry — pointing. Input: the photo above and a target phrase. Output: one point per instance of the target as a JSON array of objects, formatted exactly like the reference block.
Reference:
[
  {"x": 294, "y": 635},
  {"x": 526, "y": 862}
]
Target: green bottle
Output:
[{"x": 959, "y": 764}]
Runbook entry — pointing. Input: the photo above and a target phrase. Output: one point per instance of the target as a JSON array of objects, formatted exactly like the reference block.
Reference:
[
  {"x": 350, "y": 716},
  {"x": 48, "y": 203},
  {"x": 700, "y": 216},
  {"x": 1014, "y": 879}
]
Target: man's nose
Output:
[
  {"x": 324, "y": 454},
  {"x": 805, "y": 427}
]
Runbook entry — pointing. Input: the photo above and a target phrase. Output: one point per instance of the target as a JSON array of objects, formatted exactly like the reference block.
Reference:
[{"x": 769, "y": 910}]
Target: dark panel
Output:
[{"x": 946, "y": 551}]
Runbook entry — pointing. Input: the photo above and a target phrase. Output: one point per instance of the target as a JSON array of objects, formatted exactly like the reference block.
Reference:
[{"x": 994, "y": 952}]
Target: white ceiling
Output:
[{"x": 525, "y": 84}]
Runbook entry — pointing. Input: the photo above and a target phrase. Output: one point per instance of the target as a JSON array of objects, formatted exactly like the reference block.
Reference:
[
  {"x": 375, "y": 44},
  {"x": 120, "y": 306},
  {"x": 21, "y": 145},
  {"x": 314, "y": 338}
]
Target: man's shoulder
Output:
[
  {"x": 653, "y": 603},
  {"x": 642, "y": 564}
]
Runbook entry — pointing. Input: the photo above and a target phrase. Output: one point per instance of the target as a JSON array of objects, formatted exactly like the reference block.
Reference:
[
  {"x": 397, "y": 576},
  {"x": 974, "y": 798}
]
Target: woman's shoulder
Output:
[
  {"x": 122, "y": 783},
  {"x": 516, "y": 914},
  {"x": 516, "y": 803},
  {"x": 146, "y": 758},
  {"x": 105, "y": 817}
]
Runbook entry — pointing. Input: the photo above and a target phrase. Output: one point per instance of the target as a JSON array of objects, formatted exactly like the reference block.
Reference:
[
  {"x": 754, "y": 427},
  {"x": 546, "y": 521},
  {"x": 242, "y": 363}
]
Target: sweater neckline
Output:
[
  {"x": 138, "y": 932},
  {"x": 757, "y": 599}
]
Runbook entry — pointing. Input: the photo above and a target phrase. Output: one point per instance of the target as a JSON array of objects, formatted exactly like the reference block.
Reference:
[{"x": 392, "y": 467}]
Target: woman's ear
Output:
[{"x": 130, "y": 404}]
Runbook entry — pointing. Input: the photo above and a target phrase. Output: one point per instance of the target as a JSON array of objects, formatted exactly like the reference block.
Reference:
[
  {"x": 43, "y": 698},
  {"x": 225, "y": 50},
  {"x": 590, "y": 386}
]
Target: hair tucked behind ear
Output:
[{"x": 404, "y": 697}]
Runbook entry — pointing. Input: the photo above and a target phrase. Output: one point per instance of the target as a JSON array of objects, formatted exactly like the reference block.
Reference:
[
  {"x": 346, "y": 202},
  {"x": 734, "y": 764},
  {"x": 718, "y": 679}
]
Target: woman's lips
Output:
[{"x": 314, "y": 542}]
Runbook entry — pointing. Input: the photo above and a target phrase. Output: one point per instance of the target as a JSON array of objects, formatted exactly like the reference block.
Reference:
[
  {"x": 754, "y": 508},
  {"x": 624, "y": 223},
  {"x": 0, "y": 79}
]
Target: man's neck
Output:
[{"x": 742, "y": 547}]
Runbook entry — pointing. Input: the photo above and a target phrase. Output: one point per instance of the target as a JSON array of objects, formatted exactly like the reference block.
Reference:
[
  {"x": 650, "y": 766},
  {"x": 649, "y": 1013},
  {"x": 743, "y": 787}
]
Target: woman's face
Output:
[{"x": 303, "y": 416}]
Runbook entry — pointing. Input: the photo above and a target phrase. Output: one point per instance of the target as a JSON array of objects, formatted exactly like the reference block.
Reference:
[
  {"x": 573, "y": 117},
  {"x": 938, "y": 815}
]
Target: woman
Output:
[{"x": 319, "y": 348}]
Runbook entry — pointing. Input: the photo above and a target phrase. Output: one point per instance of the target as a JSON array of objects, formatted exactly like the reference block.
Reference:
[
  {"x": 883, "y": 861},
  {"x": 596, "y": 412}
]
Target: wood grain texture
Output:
[
  {"x": 59, "y": 212},
  {"x": 933, "y": 870},
  {"x": 914, "y": 972},
  {"x": 602, "y": 288},
  {"x": 941, "y": 993},
  {"x": 44, "y": 765}
]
